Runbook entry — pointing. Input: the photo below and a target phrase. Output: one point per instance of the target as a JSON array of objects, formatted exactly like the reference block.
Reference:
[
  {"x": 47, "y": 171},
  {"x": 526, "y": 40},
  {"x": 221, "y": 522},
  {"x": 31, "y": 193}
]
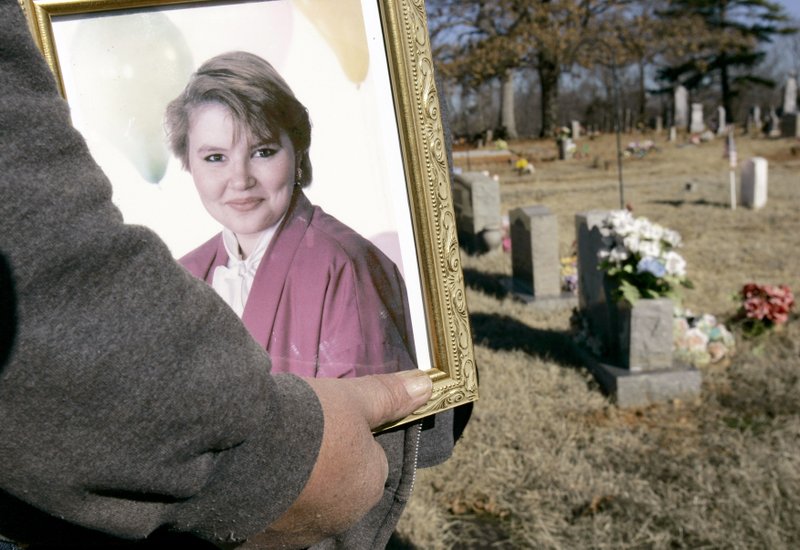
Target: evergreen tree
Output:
[{"x": 724, "y": 49}]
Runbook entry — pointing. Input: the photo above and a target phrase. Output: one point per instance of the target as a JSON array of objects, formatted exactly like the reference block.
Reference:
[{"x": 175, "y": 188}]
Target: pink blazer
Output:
[{"x": 325, "y": 301}]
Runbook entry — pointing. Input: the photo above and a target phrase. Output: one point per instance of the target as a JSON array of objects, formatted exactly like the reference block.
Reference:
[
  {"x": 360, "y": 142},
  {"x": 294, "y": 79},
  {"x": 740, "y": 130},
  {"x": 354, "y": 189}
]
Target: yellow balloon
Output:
[
  {"x": 127, "y": 68},
  {"x": 341, "y": 23}
]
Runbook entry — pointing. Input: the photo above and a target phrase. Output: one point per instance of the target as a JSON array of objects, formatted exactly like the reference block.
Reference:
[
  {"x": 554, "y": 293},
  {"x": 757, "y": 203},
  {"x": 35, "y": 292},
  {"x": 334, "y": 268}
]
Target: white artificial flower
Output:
[
  {"x": 675, "y": 264},
  {"x": 672, "y": 238},
  {"x": 652, "y": 231},
  {"x": 650, "y": 248},
  {"x": 618, "y": 255},
  {"x": 631, "y": 242}
]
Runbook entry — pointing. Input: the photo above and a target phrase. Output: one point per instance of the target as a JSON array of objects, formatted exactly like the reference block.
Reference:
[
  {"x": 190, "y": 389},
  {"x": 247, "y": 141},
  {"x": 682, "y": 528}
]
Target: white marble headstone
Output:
[{"x": 753, "y": 190}]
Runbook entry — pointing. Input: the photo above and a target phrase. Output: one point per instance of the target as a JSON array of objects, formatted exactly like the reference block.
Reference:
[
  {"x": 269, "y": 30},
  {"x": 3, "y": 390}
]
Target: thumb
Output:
[{"x": 390, "y": 397}]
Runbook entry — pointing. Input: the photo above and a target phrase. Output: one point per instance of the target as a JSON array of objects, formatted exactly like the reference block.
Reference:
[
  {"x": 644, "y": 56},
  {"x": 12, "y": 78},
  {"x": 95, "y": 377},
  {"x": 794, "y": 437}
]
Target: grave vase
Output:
[{"x": 641, "y": 334}]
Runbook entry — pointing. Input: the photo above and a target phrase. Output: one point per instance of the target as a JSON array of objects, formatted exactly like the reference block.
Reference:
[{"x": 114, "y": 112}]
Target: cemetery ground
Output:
[{"x": 547, "y": 460}]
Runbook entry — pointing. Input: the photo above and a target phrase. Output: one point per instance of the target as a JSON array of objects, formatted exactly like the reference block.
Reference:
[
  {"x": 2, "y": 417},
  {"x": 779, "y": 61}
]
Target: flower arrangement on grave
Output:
[
  {"x": 639, "y": 149},
  {"x": 569, "y": 274},
  {"x": 639, "y": 258},
  {"x": 701, "y": 340},
  {"x": 523, "y": 166},
  {"x": 763, "y": 307}
]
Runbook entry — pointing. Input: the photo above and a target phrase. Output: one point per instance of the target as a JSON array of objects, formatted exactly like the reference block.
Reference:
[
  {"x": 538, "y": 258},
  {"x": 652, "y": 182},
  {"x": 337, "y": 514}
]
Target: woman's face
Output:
[{"x": 244, "y": 185}]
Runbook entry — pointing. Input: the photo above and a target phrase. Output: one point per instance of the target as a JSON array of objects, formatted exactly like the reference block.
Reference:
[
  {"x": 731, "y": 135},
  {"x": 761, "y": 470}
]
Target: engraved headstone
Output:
[
  {"x": 697, "y": 126},
  {"x": 638, "y": 367},
  {"x": 476, "y": 201},
  {"x": 681, "y": 116},
  {"x": 753, "y": 191},
  {"x": 534, "y": 251}
]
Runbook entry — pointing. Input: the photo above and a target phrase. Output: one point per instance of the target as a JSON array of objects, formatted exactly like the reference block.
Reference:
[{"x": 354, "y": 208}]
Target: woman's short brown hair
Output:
[{"x": 258, "y": 98}]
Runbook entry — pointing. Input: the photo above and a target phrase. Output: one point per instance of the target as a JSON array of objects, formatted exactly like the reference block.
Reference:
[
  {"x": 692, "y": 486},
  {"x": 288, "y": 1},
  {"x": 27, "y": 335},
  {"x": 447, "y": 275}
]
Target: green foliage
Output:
[{"x": 723, "y": 47}]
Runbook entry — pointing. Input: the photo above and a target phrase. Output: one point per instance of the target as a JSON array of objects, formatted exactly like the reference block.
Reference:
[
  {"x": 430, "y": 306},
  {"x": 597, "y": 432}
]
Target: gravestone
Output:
[
  {"x": 697, "y": 126},
  {"x": 575, "y": 129},
  {"x": 757, "y": 122},
  {"x": 681, "y": 117},
  {"x": 641, "y": 335},
  {"x": 753, "y": 186},
  {"x": 566, "y": 148},
  {"x": 659, "y": 124},
  {"x": 534, "y": 251},
  {"x": 591, "y": 290},
  {"x": 476, "y": 201},
  {"x": 790, "y": 125},
  {"x": 790, "y": 120},
  {"x": 636, "y": 368},
  {"x": 773, "y": 123},
  {"x": 673, "y": 134},
  {"x": 722, "y": 125},
  {"x": 790, "y": 95}
]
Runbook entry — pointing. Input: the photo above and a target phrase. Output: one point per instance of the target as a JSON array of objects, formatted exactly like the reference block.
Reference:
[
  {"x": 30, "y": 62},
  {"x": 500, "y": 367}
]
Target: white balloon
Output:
[{"x": 127, "y": 68}]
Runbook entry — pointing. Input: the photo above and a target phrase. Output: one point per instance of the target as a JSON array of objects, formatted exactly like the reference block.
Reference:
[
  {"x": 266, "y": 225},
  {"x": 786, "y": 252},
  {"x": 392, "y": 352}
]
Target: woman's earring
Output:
[{"x": 299, "y": 176}]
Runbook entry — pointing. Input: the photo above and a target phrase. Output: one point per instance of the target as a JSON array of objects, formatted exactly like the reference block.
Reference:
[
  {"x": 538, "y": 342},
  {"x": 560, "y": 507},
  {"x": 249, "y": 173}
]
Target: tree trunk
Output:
[
  {"x": 507, "y": 119},
  {"x": 548, "y": 80},
  {"x": 726, "y": 92},
  {"x": 642, "y": 95}
]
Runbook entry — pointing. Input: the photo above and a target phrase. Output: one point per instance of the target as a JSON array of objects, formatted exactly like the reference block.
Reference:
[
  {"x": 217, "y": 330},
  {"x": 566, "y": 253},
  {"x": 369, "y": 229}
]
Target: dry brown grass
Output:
[{"x": 549, "y": 462}]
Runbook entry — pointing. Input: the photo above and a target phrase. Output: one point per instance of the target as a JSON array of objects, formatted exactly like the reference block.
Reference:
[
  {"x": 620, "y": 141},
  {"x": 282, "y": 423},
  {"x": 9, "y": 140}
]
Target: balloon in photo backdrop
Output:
[
  {"x": 127, "y": 69},
  {"x": 341, "y": 24}
]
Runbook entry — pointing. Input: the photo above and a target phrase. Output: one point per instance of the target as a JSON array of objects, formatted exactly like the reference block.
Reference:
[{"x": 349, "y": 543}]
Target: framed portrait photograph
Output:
[{"x": 295, "y": 142}]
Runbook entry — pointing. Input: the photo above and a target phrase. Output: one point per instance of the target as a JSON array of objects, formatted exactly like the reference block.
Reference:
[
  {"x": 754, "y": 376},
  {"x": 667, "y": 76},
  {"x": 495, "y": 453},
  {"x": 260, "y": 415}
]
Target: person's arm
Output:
[{"x": 132, "y": 399}]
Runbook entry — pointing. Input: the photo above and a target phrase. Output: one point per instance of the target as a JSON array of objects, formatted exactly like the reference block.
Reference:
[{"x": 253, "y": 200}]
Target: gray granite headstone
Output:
[
  {"x": 753, "y": 186},
  {"x": 642, "y": 335},
  {"x": 476, "y": 201},
  {"x": 790, "y": 125},
  {"x": 681, "y": 117},
  {"x": 648, "y": 372},
  {"x": 534, "y": 251},
  {"x": 591, "y": 288},
  {"x": 697, "y": 126}
]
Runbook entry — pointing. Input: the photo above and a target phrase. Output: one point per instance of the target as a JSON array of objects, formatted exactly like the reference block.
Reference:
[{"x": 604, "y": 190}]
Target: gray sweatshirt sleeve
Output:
[{"x": 131, "y": 398}]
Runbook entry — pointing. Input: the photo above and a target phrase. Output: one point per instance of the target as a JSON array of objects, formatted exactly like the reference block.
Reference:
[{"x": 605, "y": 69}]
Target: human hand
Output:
[{"x": 351, "y": 468}]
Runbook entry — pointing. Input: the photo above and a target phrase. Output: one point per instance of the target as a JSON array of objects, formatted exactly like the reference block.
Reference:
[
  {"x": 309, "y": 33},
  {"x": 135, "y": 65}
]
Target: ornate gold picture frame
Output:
[{"x": 364, "y": 70}]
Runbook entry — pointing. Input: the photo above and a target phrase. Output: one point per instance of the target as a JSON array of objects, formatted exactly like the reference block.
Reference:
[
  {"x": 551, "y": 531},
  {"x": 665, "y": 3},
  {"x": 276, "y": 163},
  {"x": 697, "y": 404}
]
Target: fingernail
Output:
[{"x": 417, "y": 383}]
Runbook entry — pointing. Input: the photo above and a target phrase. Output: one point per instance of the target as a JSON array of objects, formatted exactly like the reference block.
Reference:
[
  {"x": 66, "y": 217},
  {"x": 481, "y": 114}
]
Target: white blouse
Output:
[{"x": 233, "y": 282}]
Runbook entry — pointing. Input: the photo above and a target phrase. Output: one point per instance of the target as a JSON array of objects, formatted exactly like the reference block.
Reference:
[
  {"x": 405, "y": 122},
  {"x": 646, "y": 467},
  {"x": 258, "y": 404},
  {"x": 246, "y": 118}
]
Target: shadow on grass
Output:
[
  {"x": 696, "y": 202},
  {"x": 488, "y": 283},
  {"x": 398, "y": 542},
  {"x": 501, "y": 332}
]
